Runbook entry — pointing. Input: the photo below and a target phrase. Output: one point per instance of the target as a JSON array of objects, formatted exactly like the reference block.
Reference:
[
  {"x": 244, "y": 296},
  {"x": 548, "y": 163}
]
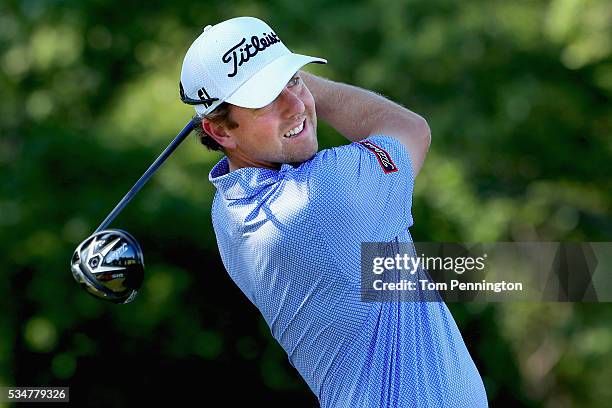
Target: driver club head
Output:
[{"x": 109, "y": 265}]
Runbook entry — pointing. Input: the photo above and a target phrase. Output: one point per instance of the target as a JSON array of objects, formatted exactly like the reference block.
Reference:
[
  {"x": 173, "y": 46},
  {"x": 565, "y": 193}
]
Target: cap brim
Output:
[{"x": 263, "y": 87}]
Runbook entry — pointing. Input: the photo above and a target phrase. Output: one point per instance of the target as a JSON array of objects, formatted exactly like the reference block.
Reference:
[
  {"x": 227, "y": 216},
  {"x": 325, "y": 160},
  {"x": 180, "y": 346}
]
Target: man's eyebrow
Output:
[{"x": 256, "y": 111}]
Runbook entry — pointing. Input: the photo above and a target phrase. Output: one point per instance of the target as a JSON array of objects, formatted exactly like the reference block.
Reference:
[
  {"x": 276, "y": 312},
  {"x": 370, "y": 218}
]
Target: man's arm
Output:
[{"x": 357, "y": 114}]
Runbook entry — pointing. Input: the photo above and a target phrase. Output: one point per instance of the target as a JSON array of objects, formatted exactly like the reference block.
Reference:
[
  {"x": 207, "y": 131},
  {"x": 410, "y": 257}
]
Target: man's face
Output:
[{"x": 263, "y": 136}]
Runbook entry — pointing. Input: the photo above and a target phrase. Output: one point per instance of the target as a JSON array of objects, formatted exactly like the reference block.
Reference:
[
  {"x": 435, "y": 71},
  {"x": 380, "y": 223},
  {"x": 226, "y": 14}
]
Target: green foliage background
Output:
[{"x": 518, "y": 98}]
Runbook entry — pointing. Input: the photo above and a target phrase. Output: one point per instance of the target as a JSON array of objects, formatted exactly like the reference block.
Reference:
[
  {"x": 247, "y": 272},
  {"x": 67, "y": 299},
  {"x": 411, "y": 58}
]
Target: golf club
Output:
[{"x": 109, "y": 264}]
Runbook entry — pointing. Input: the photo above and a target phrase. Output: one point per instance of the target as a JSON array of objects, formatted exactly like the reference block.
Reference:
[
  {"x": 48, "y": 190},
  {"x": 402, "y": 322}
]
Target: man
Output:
[{"x": 290, "y": 220}]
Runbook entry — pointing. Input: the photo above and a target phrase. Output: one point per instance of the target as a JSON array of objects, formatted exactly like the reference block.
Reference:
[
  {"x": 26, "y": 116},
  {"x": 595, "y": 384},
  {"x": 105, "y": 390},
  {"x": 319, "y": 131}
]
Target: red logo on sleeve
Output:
[{"x": 383, "y": 157}]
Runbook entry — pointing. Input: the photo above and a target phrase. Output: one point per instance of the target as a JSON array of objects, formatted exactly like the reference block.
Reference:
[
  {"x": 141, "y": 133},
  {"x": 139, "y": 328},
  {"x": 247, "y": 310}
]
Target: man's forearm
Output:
[{"x": 358, "y": 113}]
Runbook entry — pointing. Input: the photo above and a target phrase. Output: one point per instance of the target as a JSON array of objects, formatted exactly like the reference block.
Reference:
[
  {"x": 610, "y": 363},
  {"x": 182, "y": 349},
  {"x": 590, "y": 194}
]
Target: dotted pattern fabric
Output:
[{"x": 290, "y": 239}]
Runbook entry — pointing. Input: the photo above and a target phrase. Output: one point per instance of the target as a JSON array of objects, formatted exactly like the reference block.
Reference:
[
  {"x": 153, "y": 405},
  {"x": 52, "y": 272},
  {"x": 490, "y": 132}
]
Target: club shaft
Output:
[{"x": 146, "y": 176}]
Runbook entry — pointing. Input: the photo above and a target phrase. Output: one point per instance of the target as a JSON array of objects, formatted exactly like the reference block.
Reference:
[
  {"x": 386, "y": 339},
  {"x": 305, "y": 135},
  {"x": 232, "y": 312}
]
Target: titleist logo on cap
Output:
[{"x": 240, "y": 56}]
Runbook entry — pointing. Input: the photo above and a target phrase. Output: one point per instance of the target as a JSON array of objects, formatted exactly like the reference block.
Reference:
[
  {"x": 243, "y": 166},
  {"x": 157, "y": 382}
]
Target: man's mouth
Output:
[{"x": 296, "y": 131}]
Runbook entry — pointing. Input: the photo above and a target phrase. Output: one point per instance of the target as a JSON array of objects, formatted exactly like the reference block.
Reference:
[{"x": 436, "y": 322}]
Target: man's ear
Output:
[{"x": 218, "y": 133}]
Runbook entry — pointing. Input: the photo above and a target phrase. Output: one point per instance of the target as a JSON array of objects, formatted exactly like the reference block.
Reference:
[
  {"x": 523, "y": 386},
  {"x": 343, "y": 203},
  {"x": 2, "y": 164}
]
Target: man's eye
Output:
[{"x": 294, "y": 81}]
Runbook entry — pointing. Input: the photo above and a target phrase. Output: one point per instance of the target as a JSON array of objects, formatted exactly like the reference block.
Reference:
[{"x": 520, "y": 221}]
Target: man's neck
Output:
[{"x": 236, "y": 163}]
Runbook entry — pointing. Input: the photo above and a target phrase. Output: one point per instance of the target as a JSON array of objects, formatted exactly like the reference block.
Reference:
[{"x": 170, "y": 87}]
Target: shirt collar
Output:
[{"x": 245, "y": 182}]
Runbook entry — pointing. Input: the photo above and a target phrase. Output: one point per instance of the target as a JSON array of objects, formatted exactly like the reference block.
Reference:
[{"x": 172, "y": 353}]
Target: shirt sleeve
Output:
[{"x": 364, "y": 189}]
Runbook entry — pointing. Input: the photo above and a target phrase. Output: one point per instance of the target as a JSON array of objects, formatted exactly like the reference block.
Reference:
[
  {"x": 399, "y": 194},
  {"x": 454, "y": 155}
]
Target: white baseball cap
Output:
[{"x": 240, "y": 61}]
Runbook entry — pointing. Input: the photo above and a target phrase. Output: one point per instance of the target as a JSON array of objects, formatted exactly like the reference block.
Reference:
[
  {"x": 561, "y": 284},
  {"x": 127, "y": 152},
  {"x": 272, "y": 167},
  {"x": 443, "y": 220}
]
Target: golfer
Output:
[{"x": 290, "y": 219}]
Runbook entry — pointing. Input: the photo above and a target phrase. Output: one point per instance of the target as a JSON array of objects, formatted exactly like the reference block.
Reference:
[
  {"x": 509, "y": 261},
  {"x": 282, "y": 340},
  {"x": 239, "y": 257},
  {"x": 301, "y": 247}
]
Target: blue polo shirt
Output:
[{"x": 290, "y": 239}]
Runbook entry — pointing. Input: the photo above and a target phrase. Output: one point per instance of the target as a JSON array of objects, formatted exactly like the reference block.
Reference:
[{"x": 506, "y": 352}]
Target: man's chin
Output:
[
  {"x": 311, "y": 154},
  {"x": 303, "y": 153}
]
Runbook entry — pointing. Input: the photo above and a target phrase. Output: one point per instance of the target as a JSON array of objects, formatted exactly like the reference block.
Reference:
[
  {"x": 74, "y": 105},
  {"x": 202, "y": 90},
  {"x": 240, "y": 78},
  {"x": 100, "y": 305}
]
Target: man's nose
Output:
[{"x": 290, "y": 103}]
